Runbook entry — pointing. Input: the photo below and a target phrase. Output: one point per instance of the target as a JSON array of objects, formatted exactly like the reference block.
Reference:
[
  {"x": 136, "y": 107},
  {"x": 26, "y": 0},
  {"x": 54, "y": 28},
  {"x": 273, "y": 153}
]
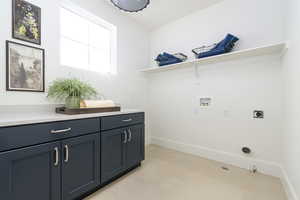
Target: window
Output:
[{"x": 87, "y": 42}]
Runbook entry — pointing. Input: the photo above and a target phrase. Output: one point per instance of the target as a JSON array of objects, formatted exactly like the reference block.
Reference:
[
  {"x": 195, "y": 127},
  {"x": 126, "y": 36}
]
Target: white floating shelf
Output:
[{"x": 260, "y": 51}]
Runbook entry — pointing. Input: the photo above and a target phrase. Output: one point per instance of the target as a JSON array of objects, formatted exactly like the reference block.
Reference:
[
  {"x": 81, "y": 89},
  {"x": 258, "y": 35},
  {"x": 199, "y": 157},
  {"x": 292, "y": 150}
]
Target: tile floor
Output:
[{"x": 172, "y": 175}]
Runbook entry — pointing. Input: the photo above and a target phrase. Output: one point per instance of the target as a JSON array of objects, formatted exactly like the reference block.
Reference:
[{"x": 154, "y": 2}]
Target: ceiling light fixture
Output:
[{"x": 131, "y": 5}]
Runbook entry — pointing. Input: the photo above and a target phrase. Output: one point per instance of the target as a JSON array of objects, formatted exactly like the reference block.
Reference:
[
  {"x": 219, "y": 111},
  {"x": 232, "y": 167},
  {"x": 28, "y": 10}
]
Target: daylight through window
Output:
[{"x": 86, "y": 42}]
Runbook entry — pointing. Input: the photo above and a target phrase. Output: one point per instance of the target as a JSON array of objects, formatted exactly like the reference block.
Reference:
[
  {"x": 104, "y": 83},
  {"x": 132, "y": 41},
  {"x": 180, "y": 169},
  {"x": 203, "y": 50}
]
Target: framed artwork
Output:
[
  {"x": 26, "y": 22},
  {"x": 25, "y": 68}
]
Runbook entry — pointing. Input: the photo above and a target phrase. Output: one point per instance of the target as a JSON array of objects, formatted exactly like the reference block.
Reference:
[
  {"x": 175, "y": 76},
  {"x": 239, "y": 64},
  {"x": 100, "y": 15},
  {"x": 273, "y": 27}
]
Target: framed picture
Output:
[
  {"x": 25, "y": 68},
  {"x": 26, "y": 22}
]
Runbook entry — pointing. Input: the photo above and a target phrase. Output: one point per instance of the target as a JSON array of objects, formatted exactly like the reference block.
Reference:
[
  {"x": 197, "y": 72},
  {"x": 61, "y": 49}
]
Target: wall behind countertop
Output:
[{"x": 126, "y": 87}]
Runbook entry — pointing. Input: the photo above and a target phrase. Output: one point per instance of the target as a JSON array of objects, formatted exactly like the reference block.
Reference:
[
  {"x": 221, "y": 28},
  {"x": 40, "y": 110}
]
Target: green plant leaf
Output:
[{"x": 61, "y": 89}]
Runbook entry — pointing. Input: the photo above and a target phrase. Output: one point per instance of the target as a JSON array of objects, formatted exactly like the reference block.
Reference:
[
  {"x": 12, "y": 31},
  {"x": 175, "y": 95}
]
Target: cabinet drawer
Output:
[
  {"x": 118, "y": 121},
  {"x": 20, "y": 136}
]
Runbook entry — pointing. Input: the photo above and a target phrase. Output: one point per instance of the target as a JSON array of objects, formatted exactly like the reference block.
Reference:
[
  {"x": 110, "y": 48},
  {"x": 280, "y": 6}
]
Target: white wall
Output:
[
  {"x": 237, "y": 87},
  {"x": 133, "y": 46},
  {"x": 256, "y": 22},
  {"x": 291, "y": 65}
]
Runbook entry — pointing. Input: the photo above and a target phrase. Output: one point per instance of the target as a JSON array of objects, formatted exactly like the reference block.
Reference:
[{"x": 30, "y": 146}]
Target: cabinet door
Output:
[
  {"x": 31, "y": 173},
  {"x": 112, "y": 153},
  {"x": 81, "y": 165},
  {"x": 135, "y": 145}
]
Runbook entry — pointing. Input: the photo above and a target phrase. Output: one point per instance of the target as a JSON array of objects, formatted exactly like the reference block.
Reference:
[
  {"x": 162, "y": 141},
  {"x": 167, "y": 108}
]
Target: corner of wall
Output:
[{"x": 288, "y": 187}]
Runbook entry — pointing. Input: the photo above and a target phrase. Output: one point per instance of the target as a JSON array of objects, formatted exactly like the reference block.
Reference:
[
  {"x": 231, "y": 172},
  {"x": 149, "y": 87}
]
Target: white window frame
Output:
[{"x": 68, "y": 5}]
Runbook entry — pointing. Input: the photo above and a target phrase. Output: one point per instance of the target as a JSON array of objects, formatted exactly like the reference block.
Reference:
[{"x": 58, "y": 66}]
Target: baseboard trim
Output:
[
  {"x": 265, "y": 167},
  {"x": 289, "y": 188}
]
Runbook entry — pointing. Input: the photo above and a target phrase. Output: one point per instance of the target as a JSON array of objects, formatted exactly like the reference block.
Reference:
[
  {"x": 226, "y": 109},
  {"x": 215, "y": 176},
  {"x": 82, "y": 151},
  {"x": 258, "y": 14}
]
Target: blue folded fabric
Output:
[
  {"x": 169, "y": 62},
  {"x": 222, "y": 47},
  {"x": 167, "y": 59}
]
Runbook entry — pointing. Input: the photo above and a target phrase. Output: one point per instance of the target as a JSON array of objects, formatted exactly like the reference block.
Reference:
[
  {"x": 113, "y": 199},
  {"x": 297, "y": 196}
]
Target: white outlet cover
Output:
[{"x": 205, "y": 101}]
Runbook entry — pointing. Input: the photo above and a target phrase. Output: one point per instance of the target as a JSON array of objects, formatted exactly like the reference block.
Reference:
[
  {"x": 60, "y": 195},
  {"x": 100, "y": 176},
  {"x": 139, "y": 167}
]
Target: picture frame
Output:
[
  {"x": 25, "y": 68},
  {"x": 26, "y": 22}
]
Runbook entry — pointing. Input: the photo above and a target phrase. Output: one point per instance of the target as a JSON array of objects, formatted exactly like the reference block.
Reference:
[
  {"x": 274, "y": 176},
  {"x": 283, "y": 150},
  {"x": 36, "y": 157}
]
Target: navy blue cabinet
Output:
[
  {"x": 118, "y": 121},
  {"x": 68, "y": 159},
  {"x": 121, "y": 149},
  {"x": 37, "y": 172},
  {"x": 80, "y": 165},
  {"x": 31, "y": 173},
  {"x": 28, "y": 135},
  {"x": 112, "y": 153},
  {"x": 134, "y": 145}
]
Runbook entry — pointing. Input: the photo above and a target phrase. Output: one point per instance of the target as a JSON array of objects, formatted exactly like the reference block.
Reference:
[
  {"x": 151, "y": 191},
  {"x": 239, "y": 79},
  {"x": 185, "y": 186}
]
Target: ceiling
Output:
[{"x": 161, "y": 12}]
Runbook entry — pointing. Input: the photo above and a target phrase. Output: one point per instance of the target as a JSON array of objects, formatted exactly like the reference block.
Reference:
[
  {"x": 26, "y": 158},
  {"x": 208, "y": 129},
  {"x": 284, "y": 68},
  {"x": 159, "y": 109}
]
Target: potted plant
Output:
[{"x": 71, "y": 91}]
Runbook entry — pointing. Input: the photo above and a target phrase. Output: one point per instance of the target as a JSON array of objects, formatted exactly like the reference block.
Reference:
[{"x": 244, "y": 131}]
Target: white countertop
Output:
[{"x": 33, "y": 118}]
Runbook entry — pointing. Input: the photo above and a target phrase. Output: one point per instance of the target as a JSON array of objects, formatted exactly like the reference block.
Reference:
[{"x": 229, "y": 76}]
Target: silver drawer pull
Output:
[
  {"x": 61, "y": 131},
  {"x": 56, "y": 156},
  {"x": 67, "y": 153},
  {"x": 125, "y": 137},
  {"x": 130, "y": 135},
  {"x": 127, "y": 120}
]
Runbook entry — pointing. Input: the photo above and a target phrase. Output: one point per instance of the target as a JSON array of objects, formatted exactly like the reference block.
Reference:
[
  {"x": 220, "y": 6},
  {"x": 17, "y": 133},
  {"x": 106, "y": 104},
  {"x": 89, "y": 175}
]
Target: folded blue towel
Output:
[
  {"x": 222, "y": 47},
  {"x": 169, "y": 62},
  {"x": 167, "y": 59}
]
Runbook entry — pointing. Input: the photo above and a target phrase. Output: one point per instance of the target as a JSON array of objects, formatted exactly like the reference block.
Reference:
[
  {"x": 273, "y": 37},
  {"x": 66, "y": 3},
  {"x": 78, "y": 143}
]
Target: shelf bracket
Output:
[{"x": 285, "y": 49}]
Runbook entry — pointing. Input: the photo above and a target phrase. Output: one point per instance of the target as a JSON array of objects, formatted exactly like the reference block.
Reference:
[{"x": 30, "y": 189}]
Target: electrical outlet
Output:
[{"x": 205, "y": 101}]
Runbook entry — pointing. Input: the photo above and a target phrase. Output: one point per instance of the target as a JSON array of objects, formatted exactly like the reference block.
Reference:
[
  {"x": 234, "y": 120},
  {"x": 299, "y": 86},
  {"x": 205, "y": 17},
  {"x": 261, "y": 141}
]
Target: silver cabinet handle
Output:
[
  {"x": 125, "y": 137},
  {"x": 56, "y": 156},
  {"x": 61, "y": 131},
  {"x": 67, "y": 153},
  {"x": 130, "y": 135},
  {"x": 127, "y": 120}
]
